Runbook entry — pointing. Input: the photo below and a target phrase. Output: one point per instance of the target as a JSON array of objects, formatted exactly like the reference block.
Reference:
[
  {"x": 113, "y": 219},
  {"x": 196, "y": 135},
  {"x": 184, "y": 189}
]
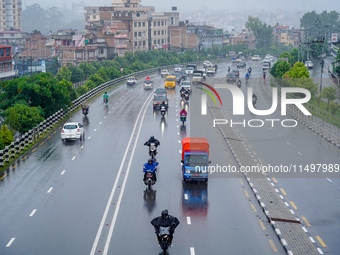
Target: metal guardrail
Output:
[
  {"x": 331, "y": 132},
  {"x": 31, "y": 136}
]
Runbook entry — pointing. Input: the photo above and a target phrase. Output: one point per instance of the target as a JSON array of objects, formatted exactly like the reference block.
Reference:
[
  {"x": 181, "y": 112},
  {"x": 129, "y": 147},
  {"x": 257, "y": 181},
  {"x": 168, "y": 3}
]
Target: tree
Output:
[
  {"x": 328, "y": 93},
  {"x": 77, "y": 74},
  {"x": 6, "y": 135},
  {"x": 334, "y": 107},
  {"x": 2, "y": 145},
  {"x": 23, "y": 118},
  {"x": 280, "y": 68},
  {"x": 298, "y": 71},
  {"x": 262, "y": 32},
  {"x": 64, "y": 73}
]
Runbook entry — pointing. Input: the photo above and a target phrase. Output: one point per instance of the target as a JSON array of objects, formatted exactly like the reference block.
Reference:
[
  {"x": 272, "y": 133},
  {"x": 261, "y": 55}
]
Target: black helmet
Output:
[
  {"x": 165, "y": 214},
  {"x": 150, "y": 161},
  {"x": 151, "y": 137}
]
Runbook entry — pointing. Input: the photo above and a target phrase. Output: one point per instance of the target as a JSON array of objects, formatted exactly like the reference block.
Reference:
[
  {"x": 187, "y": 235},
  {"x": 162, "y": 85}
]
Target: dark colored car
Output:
[
  {"x": 241, "y": 64},
  {"x": 237, "y": 72},
  {"x": 231, "y": 77}
]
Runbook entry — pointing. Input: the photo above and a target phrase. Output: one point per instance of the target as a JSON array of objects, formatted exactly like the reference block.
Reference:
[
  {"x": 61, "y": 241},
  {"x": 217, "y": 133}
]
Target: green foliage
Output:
[
  {"x": 23, "y": 118},
  {"x": 6, "y": 136},
  {"x": 64, "y": 73},
  {"x": 38, "y": 90},
  {"x": 262, "y": 32},
  {"x": 81, "y": 90},
  {"x": 77, "y": 74},
  {"x": 94, "y": 81},
  {"x": 337, "y": 71},
  {"x": 88, "y": 69},
  {"x": 280, "y": 68},
  {"x": 298, "y": 71},
  {"x": 329, "y": 93},
  {"x": 334, "y": 107},
  {"x": 2, "y": 144}
]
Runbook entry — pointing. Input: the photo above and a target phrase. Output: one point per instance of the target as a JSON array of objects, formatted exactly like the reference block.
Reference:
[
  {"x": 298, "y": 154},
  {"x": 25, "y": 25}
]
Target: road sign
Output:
[
  {"x": 334, "y": 37},
  {"x": 122, "y": 69}
]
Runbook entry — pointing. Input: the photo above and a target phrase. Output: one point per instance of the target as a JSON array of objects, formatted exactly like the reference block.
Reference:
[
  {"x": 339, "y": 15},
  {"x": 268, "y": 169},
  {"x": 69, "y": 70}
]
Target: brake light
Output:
[
  {"x": 78, "y": 130},
  {"x": 62, "y": 131}
]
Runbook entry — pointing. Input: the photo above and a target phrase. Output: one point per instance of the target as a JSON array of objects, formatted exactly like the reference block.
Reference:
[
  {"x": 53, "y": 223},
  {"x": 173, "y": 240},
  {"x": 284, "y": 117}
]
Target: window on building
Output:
[
  {"x": 154, "y": 42},
  {"x": 91, "y": 54},
  {"x": 162, "y": 32},
  {"x": 8, "y": 67},
  {"x": 135, "y": 34},
  {"x": 7, "y": 52},
  {"x": 165, "y": 23},
  {"x": 135, "y": 44},
  {"x": 162, "y": 23},
  {"x": 1, "y": 52},
  {"x": 94, "y": 16},
  {"x": 143, "y": 24},
  {"x": 143, "y": 35},
  {"x": 14, "y": 6},
  {"x": 140, "y": 43},
  {"x": 79, "y": 55},
  {"x": 165, "y": 32},
  {"x": 162, "y": 41},
  {"x": 2, "y": 67},
  {"x": 154, "y": 23},
  {"x": 139, "y": 33},
  {"x": 159, "y": 32},
  {"x": 139, "y": 24},
  {"x": 94, "y": 11},
  {"x": 143, "y": 43},
  {"x": 159, "y": 41},
  {"x": 159, "y": 23},
  {"x": 165, "y": 41},
  {"x": 154, "y": 32},
  {"x": 135, "y": 24},
  {"x": 123, "y": 14}
]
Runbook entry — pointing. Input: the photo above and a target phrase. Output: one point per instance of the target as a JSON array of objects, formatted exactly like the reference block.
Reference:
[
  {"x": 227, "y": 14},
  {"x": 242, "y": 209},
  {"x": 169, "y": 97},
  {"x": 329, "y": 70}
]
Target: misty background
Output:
[{"x": 50, "y": 15}]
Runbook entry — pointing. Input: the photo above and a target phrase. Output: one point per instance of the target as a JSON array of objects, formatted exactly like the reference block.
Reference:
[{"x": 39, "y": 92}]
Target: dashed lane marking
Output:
[
  {"x": 262, "y": 225},
  {"x": 62, "y": 173},
  {"x": 50, "y": 189},
  {"x": 294, "y": 206},
  {"x": 283, "y": 192},
  {"x": 192, "y": 251},
  {"x": 188, "y": 220},
  {"x": 33, "y": 212},
  {"x": 273, "y": 245},
  {"x": 74, "y": 158},
  {"x": 320, "y": 241},
  {"x": 252, "y": 206},
  {"x": 247, "y": 195},
  {"x": 10, "y": 242},
  {"x": 274, "y": 180},
  {"x": 306, "y": 221}
]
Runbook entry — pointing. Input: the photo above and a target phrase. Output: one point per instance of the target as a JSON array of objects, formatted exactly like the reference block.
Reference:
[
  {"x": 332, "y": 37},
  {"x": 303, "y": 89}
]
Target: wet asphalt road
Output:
[{"x": 88, "y": 202}]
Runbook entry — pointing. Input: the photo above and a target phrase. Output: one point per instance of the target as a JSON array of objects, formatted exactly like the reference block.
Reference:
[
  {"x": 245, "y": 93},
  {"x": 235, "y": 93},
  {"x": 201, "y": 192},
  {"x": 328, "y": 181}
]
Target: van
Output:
[
  {"x": 170, "y": 82},
  {"x": 265, "y": 66}
]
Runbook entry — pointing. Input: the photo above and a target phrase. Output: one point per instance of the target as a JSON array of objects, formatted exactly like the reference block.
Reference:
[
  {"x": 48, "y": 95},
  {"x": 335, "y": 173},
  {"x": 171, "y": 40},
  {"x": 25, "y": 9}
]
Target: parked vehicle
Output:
[
  {"x": 72, "y": 131},
  {"x": 195, "y": 158}
]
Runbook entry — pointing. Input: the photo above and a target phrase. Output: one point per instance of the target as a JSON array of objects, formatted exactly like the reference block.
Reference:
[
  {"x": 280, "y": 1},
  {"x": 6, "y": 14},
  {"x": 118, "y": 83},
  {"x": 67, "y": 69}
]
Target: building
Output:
[
  {"x": 181, "y": 40},
  {"x": 36, "y": 46},
  {"x": 7, "y": 71},
  {"x": 16, "y": 39},
  {"x": 91, "y": 15},
  {"x": 10, "y": 15},
  {"x": 285, "y": 35}
]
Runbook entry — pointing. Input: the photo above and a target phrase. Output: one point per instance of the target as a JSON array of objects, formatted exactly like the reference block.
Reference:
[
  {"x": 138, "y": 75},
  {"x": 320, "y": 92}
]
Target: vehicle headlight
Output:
[{"x": 187, "y": 171}]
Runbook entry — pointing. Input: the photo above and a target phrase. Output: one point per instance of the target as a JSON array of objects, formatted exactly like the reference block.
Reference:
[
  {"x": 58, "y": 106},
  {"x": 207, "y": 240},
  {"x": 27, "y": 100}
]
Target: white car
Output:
[
  {"x": 72, "y": 131},
  {"x": 190, "y": 71},
  {"x": 164, "y": 73},
  {"x": 186, "y": 85},
  {"x": 309, "y": 64},
  {"x": 148, "y": 84},
  {"x": 131, "y": 81},
  {"x": 256, "y": 58}
]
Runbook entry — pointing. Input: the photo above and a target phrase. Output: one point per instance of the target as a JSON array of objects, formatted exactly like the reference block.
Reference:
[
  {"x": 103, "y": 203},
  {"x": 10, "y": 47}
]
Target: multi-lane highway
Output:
[{"x": 87, "y": 197}]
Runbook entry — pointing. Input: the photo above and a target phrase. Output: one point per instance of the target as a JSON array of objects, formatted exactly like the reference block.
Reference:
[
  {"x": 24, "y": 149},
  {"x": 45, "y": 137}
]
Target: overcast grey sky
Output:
[{"x": 191, "y": 5}]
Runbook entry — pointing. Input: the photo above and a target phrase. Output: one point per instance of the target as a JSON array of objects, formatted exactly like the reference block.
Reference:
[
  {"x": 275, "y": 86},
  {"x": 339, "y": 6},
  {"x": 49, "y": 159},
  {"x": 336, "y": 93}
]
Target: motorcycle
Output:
[
  {"x": 163, "y": 111},
  {"x": 186, "y": 97},
  {"x": 254, "y": 101},
  {"x": 152, "y": 150},
  {"x": 183, "y": 118},
  {"x": 150, "y": 180},
  {"x": 85, "y": 111},
  {"x": 164, "y": 238}
]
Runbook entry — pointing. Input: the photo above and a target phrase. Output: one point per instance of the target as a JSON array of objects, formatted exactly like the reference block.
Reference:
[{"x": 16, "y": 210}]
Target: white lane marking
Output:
[
  {"x": 180, "y": 151},
  {"x": 104, "y": 117},
  {"x": 82, "y": 147},
  {"x": 299, "y": 153},
  {"x": 95, "y": 130},
  {"x": 89, "y": 138},
  {"x": 74, "y": 158},
  {"x": 113, "y": 222},
  {"x": 114, "y": 188},
  {"x": 177, "y": 133},
  {"x": 62, "y": 173},
  {"x": 192, "y": 251},
  {"x": 33, "y": 212},
  {"x": 100, "y": 123},
  {"x": 50, "y": 189},
  {"x": 10, "y": 242},
  {"x": 186, "y": 196},
  {"x": 288, "y": 143},
  {"x": 311, "y": 239},
  {"x": 320, "y": 251},
  {"x": 178, "y": 126},
  {"x": 179, "y": 141},
  {"x": 329, "y": 180},
  {"x": 188, "y": 220}
]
